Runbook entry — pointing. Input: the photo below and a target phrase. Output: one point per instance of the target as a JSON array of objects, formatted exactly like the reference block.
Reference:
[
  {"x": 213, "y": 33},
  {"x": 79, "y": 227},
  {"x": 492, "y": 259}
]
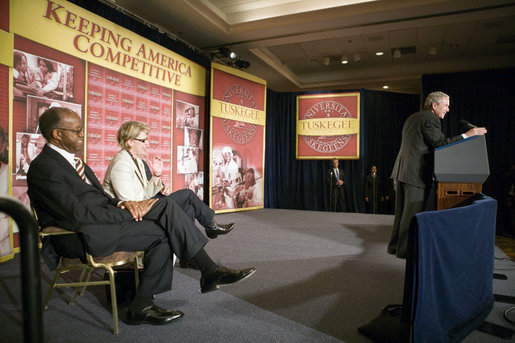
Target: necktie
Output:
[
  {"x": 337, "y": 174},
  {"x": 79, "y": 166}
]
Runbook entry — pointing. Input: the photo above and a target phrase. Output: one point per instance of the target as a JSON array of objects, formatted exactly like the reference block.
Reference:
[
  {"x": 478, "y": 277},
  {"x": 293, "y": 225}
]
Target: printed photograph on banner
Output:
[
  {"x": 186, "y": 114},
  {"x": 30, "y": 141},
  {"x": 237, "y": 179},
  {"x": 195, "y": 182},
  {"x": 5, "y": 238},
  {"x": 28, "y": 146},
  {"x": 37, "y": 105},
  {"x": 193, "y": 137},
  {"x": 35, "y": 75},
  {"x": 188, "y": 131},
  {"x": 187, "y": 159}
]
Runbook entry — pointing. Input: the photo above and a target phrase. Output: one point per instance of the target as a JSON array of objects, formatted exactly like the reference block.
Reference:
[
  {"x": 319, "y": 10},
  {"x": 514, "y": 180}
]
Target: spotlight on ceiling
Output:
[
  {"x": 226, "y": 52},
  {"x": 242, "y": 64},
  {"x": 344, "y": 60},
  {"x": 396, "y": 53},
  {"x": 379, "y": 53},
  {"x": 326, "y": 60}
]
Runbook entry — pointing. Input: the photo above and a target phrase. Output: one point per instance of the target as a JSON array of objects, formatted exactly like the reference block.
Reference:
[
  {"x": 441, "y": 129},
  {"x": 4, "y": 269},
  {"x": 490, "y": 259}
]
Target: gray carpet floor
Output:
[{"x": 319, "y": 277}]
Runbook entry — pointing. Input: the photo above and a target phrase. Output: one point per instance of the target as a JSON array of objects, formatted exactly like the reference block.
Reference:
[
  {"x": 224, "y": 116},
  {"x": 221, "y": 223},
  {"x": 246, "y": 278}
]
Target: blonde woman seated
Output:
[{"x": 126, "y": 180}]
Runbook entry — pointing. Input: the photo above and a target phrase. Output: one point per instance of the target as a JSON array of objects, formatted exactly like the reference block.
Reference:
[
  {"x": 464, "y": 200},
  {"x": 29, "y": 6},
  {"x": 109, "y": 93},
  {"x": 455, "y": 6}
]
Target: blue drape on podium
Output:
[{"x": 452, "y": 270}]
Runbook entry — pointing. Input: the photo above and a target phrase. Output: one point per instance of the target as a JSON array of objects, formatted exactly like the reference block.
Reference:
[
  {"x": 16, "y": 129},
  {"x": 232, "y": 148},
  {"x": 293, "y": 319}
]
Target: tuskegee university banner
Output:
[
  {"x": 328, "y": 126},
  {"x": 237, "y": 140}
]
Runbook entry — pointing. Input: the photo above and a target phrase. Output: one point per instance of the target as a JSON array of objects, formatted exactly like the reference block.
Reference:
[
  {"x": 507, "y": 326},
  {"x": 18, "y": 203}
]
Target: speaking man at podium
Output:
[{"x": 413, "y": 169}]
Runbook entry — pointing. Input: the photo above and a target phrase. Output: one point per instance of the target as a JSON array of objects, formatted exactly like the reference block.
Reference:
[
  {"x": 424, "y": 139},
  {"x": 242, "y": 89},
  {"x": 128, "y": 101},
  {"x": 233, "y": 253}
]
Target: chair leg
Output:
[
  {"x": 52, "y": 287},
  {"x": 136, "y": 273},
  {"x": 114, "y": 304},
  {"x": 88, "y": 278},
  {"x": 78, "y": 288}
]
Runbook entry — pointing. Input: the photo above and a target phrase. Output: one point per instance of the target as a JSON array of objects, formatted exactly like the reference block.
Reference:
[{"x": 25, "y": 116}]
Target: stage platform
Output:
[{"x": 319, "y": 276}]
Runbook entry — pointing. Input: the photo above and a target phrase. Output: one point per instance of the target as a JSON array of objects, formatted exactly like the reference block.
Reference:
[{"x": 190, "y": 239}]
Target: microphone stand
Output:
[{"x": 331, "y": 193}]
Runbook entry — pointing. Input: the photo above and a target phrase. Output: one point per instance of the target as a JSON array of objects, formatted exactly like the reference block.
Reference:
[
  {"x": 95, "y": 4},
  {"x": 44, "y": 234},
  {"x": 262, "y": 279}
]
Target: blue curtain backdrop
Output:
[{"x": 300, "y": 184}]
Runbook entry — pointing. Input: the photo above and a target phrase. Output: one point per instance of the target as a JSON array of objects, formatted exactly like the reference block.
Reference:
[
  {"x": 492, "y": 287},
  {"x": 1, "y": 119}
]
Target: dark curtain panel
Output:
[
  {"x": 301, "y": 184},
  {"x": 484, "y": 98}
]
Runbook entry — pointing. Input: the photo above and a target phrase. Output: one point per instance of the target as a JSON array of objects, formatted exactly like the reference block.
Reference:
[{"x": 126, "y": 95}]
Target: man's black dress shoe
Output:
[
  {"x": 153, "y": 315},
  {"x": 214, "y": 229},
  {"x": 223, "y": 276}
]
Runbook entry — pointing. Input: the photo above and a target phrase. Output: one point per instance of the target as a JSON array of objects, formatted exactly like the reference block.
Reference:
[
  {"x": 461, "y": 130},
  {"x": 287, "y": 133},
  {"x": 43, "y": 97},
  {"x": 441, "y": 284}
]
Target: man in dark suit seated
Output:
[
  {"x": 66, "y": 193},
  {"x": 413, "y": 170}
]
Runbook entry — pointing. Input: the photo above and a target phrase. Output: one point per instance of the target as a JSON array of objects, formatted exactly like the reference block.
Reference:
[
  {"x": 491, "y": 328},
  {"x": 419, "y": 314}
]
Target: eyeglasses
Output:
[
  {"x": 142, "y": 140},
  {"x": 77, "y": 132}
]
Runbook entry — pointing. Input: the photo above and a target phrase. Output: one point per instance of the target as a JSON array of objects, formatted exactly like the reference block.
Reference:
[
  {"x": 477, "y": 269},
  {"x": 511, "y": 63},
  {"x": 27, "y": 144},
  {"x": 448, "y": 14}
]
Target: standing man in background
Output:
[
  {"x": 336, "y": 181},
  {"x": 413, "y": 169},
  {"x": 373, "y": 191}
]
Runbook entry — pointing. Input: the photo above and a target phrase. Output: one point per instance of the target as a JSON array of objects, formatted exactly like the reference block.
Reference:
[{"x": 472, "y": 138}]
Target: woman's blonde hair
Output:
[{"x": 130, "y": 130}]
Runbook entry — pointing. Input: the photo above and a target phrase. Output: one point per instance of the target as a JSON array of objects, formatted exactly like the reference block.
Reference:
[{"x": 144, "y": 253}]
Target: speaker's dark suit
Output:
[
  {"x": 413, "y": 173},
  {"x": 336, "y": 192},
  {"x": 63, "y": 199}
]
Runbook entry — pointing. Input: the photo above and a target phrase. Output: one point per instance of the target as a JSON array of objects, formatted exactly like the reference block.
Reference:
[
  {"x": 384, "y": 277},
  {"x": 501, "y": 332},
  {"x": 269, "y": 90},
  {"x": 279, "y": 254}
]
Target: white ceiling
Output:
[{"x": 286, "y": 41}]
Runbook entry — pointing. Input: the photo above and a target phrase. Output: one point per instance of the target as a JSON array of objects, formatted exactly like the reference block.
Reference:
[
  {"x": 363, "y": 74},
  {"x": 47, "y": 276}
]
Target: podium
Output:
[{"x": 460, "y": 170}]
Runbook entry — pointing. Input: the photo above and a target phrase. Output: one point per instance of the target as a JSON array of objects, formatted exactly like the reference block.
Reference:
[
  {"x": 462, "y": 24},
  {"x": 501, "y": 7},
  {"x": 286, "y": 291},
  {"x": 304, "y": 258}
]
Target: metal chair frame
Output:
[{"x": 106, "y": 262}]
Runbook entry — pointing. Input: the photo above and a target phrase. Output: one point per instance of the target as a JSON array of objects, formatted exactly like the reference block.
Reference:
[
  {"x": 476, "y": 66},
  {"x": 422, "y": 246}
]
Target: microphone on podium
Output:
[{"x": 467, "y": 124}]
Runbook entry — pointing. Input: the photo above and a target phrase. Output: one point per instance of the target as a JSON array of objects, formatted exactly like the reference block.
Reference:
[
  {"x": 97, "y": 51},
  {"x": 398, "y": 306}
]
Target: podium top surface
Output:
[{"x": 464, "y": 161}]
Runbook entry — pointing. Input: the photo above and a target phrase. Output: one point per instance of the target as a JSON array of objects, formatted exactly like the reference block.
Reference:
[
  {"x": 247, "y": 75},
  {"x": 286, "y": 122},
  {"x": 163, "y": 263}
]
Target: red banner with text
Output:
[
  {"x": 237, "y": 140},
  {"x": 328, "y": 126},
  {"x": 57, "y": 54}
]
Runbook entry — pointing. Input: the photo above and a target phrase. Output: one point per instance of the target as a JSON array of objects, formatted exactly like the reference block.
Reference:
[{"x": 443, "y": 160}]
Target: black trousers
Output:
[
  {"x": 409, "y": 200},
  {"x": 165, "y": 230},
  {"x": 337, "y": 199},
  {"x": 193, "y": 206}
]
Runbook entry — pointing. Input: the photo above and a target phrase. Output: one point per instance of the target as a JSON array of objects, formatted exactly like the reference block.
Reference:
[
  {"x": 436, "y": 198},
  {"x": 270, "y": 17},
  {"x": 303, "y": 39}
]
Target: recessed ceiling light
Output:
[
  {"x": 385, "y": 87},
  {"x": 344, "y": 60},
  {"x": 379, "y": 53}
]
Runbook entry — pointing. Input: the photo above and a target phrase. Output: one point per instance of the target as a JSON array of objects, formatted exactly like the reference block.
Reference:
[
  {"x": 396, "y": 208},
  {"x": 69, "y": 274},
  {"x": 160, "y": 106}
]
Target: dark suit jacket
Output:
[
  {"x": 421, "y": 133},
  {"x": 331, "y": 176},
  {"x": 61, "y": 198},
  {"x": 373, "y": 187}
]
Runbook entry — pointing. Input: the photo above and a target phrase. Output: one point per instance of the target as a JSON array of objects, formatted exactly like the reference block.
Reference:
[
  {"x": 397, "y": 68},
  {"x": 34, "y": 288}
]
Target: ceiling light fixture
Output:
[
  {"x": 379, "y": 53},
  {"x": 385, "y": 87},
  {"x": 226, "y": 52},
  {"x": 242, "y": 64},
  {"x": 344, "y": 60},
  {"x": 396, "y": 53}
]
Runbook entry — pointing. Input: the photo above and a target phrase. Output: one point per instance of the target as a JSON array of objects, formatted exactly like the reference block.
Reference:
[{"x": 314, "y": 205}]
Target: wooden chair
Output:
[{"x": 87, "y": 268}]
